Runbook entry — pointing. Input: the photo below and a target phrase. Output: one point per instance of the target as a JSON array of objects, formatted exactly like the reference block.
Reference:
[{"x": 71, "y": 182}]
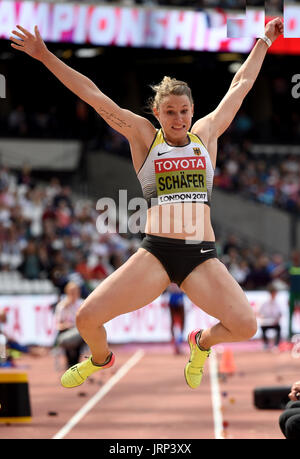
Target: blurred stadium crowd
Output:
[{"x": 47, "y": 233}]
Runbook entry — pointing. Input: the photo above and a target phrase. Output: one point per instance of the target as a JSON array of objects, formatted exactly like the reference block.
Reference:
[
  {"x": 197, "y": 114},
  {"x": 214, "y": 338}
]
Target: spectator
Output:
[
  {"x": 83, "y": 268},
  {"x": 99, "y": 271},
  {"x": 231, "y": 242},
  {"x": 240, "y": 272},
  {"x": 13, "y": 345},
  {"x": 68, "y": 337},
  {"x": 53, "y": 188},
  {"x": 294, "y": 281},
  {"x": 5, "y": 179},
  {"x": 64, "y": 195},
  {"x": 25, "y": 177},
  {"x": 59, "y": 269},
  {"x": 269, "y": 315},
  {"x": 277, "y": 265},
  {"x": 32, "y": 266},
  {"x": 63, "y": 216},
  {"x": 176, "y": 307},
  {"x": 11, "y": 247},
  {"x": 259, "y": 275},
  {"x": 33, "y": 211}
]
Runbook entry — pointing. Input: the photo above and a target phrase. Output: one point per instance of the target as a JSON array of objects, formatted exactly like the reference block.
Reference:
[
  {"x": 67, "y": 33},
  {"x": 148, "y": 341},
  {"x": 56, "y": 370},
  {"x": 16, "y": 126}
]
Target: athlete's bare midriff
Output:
[{"x": 180, "y": 221}]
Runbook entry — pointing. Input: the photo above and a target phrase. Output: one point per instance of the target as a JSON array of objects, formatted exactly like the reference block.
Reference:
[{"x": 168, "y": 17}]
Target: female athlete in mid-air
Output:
[{"x": 175, "y": 165}]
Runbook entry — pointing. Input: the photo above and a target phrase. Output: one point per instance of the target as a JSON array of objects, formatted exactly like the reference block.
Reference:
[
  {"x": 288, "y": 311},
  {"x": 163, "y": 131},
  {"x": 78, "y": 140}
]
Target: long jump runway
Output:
[{"x": 145, "y": 396}]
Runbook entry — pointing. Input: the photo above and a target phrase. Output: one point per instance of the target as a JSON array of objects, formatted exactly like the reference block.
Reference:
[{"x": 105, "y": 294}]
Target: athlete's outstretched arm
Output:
[
  {"x": 124, "y": 121},
  {"x": 223, "y": 115}
]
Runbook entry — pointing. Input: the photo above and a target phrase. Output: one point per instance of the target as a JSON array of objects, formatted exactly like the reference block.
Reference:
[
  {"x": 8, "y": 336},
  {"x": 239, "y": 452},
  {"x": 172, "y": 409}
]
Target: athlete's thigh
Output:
[
  {"x": 211, "y": 287},
  {"x": 133, "y": 285}
]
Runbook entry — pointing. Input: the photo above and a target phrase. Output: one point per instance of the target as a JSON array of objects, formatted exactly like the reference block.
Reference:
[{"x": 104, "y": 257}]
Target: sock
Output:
[
  {"x": 198, "y": 336},
  {"x": 105, "y": 363}
]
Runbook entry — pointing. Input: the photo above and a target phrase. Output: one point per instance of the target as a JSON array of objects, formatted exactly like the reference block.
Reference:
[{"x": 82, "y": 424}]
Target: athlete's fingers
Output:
[
  {"x": 17, "y": 41},
  {"x": 37, "y": 32},
  {"x": 25, "y": 32},
  {"x": 18, "y": 34},
  {"x": 20, "y": 48}
]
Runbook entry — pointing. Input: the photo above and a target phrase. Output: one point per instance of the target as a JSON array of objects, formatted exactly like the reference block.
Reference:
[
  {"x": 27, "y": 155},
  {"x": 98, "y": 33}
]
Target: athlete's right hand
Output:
[{"x": 33, "y": 45}]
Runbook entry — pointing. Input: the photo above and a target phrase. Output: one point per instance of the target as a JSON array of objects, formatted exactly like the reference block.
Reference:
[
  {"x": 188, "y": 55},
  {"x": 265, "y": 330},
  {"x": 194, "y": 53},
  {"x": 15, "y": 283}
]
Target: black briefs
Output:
[{"x": 178, "y": 257}]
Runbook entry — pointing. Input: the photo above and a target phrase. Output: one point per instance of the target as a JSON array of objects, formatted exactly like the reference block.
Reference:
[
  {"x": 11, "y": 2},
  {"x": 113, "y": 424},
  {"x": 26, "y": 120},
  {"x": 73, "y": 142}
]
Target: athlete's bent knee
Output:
[{"x": 84, "y": 317}]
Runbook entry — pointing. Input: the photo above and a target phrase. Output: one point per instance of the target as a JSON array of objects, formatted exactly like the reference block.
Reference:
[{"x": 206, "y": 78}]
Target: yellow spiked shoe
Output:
[
  {"x": 78, "y": 373},
  {"x": 194, "y": 368}
]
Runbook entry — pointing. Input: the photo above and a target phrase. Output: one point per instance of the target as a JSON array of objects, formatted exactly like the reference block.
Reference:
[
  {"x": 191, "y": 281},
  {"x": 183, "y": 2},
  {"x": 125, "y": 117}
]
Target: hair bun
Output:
[{"x": 167, "y": 87}]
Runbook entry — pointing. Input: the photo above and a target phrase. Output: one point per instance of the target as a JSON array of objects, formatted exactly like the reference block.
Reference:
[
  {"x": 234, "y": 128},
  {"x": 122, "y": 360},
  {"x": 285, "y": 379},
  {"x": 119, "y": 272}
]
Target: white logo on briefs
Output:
[{"x": 204, "y": 251}]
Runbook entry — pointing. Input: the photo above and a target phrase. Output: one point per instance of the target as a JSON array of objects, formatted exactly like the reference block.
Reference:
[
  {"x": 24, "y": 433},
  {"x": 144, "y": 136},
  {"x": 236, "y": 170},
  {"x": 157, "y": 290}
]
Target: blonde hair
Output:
[{"x": 167, "y": 87}]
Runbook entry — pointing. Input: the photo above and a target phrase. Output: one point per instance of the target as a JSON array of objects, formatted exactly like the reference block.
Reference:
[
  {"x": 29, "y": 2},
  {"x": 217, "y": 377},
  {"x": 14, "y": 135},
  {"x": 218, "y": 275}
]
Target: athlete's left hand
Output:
[{"x": 274, "y": 28}]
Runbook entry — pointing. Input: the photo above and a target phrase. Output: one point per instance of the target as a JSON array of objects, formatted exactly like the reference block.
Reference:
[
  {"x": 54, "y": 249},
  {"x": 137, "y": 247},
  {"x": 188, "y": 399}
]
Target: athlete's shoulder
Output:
[
  {"x": 195, "y": 138},
  {"x": 201, "y": 129},
  {"x": 158, "y": 139},
  {"x": 144, "y": 131}
]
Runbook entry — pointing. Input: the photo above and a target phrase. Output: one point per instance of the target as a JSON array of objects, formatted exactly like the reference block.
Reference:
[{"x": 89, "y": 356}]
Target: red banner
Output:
[{"x": 102, "y": 25}]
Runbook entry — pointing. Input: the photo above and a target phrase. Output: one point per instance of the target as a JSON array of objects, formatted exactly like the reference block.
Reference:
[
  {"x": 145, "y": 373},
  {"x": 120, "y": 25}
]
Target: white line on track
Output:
[
  {"x": 215, "y": 395},
  {"x": 99, "y": 395}
]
